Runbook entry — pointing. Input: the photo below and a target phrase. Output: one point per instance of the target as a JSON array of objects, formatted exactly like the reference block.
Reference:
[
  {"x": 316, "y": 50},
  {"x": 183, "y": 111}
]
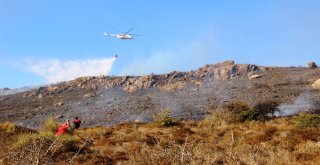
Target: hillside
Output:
[
  {"x": 215, "y": 140},
  {"x": 109, "y": 100}
]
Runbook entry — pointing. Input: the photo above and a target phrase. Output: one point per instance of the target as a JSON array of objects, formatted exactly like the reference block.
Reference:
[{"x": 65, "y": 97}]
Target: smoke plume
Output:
[
  {"x": 55, "y": 70},
  {"x": 301, "y": 104}
]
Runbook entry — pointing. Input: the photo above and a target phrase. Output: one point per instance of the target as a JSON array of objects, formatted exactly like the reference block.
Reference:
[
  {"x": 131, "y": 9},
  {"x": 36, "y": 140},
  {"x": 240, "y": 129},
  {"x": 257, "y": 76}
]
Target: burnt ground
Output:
[{"x": 99, "y": 105}]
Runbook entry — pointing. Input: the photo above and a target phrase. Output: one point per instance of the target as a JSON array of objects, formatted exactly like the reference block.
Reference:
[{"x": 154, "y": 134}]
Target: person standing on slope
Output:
[{"x": 76, "y": 123}]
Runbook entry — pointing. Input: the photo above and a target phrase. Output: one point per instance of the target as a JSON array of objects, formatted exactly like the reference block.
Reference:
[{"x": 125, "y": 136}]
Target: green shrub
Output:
[
  {"x": 249, "y": 115},
  {"x": 308, "y": 120},
  {"x": 164, "y": 118},
  {"x": 241, "y": 112},
  {"x": 266, "y": 108}
]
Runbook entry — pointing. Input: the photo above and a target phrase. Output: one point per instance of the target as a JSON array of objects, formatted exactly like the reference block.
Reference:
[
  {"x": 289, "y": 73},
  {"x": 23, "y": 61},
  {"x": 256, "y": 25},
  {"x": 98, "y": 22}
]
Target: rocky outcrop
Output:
[
  {"x": 227, "y": 70},
  {"x": 170, "y": 81},
  {"x": 4, "y": 89}
]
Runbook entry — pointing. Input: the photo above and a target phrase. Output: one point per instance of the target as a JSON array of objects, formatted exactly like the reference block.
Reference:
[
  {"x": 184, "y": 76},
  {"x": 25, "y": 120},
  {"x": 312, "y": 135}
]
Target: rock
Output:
[
  {"x": 228, "y": 62},
  {"x": 263, "y": 69},
  {"x": 89, "y": 78},
  {"x": 2, "y": 99},
  {"x": 4, "y": 89},
  {"x": 312, "y": 65},
  {"x": 255, "y": 76},
  {"x": 124, "y": 78},
  {"x": 131, "y": 80},
  {"x": 178, "y": 75},
  {"x": 52, "y": 89},
  {"x": 59, "y": 116},
  {"x": 58, "y": 104},
  {"x": 89, "y": 95},
  {"x": 316, "y": 84},
  {"x": 131, "y": 89}
]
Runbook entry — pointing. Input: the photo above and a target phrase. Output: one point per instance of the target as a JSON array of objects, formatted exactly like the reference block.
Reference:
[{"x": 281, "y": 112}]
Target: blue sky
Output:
[{"x": 43, "y": 42}]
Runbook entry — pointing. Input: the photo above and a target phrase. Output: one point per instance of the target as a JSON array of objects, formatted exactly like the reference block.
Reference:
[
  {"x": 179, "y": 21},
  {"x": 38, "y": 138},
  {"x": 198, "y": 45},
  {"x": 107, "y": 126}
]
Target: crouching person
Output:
[{"x": 63, "y": 129}]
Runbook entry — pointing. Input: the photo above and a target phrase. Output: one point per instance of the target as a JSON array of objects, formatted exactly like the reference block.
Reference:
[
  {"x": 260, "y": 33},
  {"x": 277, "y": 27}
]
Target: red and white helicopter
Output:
[{"x": 123, "y": 36}]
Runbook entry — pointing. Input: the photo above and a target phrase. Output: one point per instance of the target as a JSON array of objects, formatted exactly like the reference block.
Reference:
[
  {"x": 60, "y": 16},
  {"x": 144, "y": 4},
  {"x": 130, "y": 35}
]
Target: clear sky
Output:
[{"x": 46, "y": 41}]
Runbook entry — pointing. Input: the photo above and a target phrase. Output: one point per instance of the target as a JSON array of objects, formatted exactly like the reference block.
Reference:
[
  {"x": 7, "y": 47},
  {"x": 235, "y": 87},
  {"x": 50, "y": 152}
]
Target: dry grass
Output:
[
  {"x": 51, "y": 125},
  {"x": 214, "y": 140},
  {"x": 8, "y": 127}
]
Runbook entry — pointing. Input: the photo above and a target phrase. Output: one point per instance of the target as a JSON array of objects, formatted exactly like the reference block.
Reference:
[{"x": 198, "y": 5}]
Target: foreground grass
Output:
[{"x": 211, "y": 141}]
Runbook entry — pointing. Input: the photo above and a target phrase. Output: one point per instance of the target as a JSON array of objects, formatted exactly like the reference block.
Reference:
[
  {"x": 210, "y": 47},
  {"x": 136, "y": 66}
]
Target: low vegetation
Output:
[
  {"x": 308, "y": 120},
  {"x": 241, "y": 112},
  {"x": 235, "y": 134},
  {"x": 7, "y": 127},
  {"x": 164, "y": 118}
]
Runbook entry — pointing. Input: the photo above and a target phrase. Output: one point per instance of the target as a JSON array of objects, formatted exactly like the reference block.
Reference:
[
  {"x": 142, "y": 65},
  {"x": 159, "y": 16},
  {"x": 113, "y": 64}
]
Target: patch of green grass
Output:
[
  {"x": 308, "y": 120},
  {"x": 24, "y": 139}
]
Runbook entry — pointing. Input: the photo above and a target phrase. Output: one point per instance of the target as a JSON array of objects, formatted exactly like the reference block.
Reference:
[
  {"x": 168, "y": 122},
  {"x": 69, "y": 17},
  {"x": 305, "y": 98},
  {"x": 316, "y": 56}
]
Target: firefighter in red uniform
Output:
[{"x": 63, "y": 128}]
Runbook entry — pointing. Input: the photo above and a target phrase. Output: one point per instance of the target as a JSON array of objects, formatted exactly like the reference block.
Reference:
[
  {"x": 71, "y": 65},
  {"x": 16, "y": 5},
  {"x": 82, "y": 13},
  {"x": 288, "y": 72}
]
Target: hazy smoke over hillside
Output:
[
  {"x": 56, "y": 70},
  {"x": 301, "y": 104},
  {"x": 4, "y": 91}
]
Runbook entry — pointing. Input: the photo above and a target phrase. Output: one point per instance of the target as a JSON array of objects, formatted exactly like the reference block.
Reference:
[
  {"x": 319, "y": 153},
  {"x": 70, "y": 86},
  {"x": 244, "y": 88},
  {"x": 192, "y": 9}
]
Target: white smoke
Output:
[
  {"x": 182, "y": 58},
  {"x": 301, "y": 104},
  {"x": 55, "y": 70}
]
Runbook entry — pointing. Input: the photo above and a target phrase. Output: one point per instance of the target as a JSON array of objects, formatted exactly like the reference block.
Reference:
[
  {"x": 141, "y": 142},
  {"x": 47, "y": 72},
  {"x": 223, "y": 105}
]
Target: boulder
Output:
[
  {"x": 312, "y": 65},
  {"x": 316, "y": 84},
  {"x": 58, "y": 104},
  {"x": 89, "y": 95},
  {"x": 52, "y": 89},
  {"x": 255, "y": 76}
]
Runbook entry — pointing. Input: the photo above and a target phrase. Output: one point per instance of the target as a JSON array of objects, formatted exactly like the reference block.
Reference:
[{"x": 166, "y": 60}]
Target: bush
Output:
[
  {"x": 236, "y": 107},
  {"x": 248, "y": 115},
  {"x": 164, "y": 118},
  {"x": 241, "y": 112},
  {"x": 308, "y": 120},
  {"x": 8, "y": 127},
  {"x": 218, "y": 119},
  {"x": 266, "y": 108}
]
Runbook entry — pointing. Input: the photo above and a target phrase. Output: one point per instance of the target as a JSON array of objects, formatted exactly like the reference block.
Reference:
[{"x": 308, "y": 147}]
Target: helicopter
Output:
[{"x": 123, "y": 36}]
